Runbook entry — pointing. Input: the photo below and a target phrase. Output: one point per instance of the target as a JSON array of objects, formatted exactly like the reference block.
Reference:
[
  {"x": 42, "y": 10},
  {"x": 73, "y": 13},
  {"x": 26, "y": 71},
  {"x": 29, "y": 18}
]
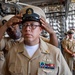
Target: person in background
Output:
[
  {"x": 63, "y": 42},
  {"x": 13, "y": 33},
  {"x": 69, "y": 49},
  {"x": 34, "y": 56},
  {"x": 7, "y": 42}
]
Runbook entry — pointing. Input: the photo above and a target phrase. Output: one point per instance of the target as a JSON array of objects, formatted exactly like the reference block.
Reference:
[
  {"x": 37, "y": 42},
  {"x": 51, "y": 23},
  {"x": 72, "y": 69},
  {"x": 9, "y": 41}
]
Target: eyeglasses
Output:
[{"x": 31, "y": 26}]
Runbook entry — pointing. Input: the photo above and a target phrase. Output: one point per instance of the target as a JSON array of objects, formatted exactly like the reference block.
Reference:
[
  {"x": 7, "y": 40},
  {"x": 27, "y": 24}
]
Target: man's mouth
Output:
[{"x": 28, "y": 35}]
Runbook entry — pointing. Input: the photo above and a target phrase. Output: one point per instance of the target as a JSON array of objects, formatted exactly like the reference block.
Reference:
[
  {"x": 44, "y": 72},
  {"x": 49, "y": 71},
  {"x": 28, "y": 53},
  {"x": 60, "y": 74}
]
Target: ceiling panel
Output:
[{"x": 38, "y": 2}]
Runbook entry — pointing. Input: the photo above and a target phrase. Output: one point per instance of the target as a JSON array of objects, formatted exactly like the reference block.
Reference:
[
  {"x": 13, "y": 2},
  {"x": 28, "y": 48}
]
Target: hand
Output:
[
  {"x": 73, "y": 54},
  {"x": 46, "y": 26},
  {"x": 14, "y": 20}
]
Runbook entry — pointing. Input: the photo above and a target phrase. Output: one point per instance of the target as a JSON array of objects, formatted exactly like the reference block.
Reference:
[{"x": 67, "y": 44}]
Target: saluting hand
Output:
[{"x": 14, "y": 20}]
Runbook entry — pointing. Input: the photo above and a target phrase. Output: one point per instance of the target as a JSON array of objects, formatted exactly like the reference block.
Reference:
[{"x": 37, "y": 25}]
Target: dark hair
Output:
[{"x": 70, "y": 32}]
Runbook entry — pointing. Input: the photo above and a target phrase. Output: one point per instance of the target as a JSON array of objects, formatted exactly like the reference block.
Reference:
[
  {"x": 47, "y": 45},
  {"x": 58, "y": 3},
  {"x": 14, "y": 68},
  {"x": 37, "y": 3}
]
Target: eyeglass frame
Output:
[{"x": 31, "y": 26}]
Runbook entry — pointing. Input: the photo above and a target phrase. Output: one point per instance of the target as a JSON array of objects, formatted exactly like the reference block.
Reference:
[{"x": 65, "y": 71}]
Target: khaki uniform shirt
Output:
[
  {"x": 63, "y": 43},
  {"x": 47, "y": 60},
  {"x": 5, "y": 46},
  {"x": 7, "y": 43},
  {"x": 2, "y": 59},
  {"x": 70, "y": 45}
]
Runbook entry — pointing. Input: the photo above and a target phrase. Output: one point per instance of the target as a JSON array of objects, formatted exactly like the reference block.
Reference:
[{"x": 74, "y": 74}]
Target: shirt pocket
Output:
[
  {"x": 15, "y": 70},
  {"x": 43, "y": 71}
]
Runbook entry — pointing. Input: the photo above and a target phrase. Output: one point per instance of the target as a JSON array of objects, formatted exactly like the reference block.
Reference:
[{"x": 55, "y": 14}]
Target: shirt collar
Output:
[{"x": 43, "y": 47}]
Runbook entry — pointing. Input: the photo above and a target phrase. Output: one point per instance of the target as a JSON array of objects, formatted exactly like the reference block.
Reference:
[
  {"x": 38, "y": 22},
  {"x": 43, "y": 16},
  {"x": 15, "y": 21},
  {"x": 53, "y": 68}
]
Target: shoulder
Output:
[
  {"x": 45, "y": 39},
  {"x": 51, "y": 48},
  {"x": 12, "y": 53},
  {"x": 16, "y": 47},
  {"x": 3, "y": 42},
  {"x": 5, "y": 39}
]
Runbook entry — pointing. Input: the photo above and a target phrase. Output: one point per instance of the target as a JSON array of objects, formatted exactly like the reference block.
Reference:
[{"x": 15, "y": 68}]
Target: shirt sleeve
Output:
[
  {"x": 63, "y": 67},
  {"x": 2, "y": 44},
  {"x": 5, "y": 67}
]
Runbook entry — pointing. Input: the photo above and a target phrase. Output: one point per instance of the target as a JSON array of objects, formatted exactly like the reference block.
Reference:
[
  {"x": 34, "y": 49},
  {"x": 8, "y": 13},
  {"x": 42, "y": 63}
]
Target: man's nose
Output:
[{"x": 28, "y": 27}]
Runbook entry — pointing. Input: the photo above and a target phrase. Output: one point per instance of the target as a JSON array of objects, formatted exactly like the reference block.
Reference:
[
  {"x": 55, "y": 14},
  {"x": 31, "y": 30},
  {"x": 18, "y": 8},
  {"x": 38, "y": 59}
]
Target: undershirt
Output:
[{"x": 31, "y": 49}]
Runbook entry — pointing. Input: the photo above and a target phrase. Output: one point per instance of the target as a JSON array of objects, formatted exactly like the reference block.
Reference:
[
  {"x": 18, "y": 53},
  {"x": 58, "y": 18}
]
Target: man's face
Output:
[
  {"x": 70, "y": 36},
  {"x": 14, "y": 32},
  {"x": 31, "y": 31}
]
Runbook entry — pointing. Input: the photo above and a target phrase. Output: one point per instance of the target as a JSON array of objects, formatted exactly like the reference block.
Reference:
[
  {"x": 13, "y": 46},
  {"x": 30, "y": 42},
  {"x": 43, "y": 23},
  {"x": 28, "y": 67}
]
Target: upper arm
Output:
[{"x": 2, "y": 44}]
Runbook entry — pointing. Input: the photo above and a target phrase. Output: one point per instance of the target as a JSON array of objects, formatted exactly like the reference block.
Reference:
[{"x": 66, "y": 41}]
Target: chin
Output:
[{"x": 28, "y": 39}]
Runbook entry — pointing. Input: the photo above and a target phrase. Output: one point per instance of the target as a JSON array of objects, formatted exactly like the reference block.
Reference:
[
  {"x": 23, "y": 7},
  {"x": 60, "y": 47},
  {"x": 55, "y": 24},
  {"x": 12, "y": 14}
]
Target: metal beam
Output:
[{"x": 67, "y": 2}]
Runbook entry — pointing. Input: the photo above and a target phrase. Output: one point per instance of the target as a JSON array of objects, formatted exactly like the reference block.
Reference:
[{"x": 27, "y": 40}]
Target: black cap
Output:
[
  {"x": 65, "y": 33},
  {"x": 70, "y": 32},
  {"x": 30, "y": 16}
]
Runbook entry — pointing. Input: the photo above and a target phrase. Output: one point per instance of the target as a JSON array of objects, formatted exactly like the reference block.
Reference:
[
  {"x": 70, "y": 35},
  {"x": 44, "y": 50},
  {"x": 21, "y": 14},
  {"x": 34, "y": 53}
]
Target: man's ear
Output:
[{"x": 41, "y": 29}]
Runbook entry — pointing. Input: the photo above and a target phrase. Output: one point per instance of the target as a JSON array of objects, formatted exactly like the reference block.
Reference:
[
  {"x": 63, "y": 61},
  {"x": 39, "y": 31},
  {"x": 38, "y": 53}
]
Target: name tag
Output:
[{"x": 47, "y": 65}]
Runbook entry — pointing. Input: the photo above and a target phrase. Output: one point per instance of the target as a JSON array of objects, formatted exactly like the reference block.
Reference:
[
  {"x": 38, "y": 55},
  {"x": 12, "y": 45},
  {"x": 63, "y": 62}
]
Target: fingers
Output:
[
  {"x": 19, "y": 16},
  {"x": 42, "y": 21},
  {"x": 46, "y": 26},
  {"x": 16, "y": 19}
]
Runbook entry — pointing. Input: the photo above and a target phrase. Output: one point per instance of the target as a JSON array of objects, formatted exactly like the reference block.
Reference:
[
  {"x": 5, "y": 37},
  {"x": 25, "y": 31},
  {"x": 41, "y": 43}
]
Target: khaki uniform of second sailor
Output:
[
  {"x": 5, "y": 45},
  {"x": 70, "y": 50},
  {"x": 7, "y": 42}
]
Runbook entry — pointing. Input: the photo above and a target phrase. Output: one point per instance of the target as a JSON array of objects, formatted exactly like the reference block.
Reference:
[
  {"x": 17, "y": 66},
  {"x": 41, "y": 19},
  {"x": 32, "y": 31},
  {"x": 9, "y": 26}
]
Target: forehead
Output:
[
  {"x": 70, "y": 34},
  {"x": 31, "y": 22}
]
